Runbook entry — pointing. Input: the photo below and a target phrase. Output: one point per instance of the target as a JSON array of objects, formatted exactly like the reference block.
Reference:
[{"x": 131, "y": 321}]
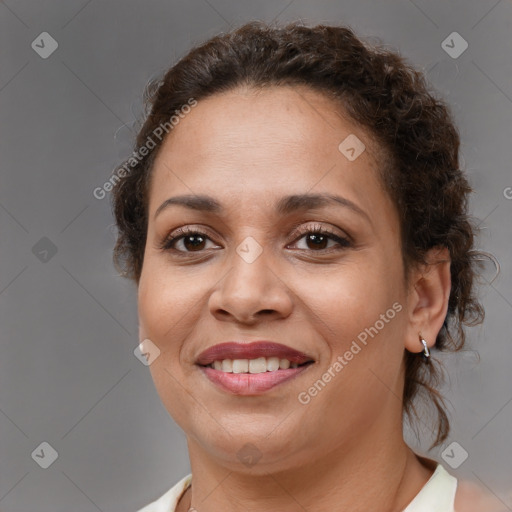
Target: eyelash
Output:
[{"x": 180, "y": 233}]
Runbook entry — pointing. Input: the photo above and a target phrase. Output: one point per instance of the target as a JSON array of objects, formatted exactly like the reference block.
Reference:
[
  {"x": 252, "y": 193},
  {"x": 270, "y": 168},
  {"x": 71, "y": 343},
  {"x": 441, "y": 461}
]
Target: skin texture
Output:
[{"x": 344, "y": 449}]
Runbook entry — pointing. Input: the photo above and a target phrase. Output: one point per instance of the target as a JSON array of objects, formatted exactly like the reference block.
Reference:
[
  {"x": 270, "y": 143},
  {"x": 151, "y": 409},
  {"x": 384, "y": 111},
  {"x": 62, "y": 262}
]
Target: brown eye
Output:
[
  {"x": 316, "y": 241},
  {"x": 187, "y": 240},
  {"x": 194, "y": 242},
  {"x": 319, "y": 239}
]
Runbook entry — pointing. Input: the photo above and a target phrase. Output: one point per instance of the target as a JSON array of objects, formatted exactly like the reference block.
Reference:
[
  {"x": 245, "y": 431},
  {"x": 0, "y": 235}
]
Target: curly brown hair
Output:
[{"x": 379, "y": 90}]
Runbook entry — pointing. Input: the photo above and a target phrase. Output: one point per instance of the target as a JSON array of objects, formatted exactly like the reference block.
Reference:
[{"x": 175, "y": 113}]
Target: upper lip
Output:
[{"x": 253, "y": 350}]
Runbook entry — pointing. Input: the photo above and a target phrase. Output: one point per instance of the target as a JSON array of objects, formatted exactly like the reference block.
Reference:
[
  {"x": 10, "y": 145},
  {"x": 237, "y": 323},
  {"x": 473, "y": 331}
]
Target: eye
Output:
[
  {"x": 186, "y": 239},
  {"x": 317, "y": 238}
]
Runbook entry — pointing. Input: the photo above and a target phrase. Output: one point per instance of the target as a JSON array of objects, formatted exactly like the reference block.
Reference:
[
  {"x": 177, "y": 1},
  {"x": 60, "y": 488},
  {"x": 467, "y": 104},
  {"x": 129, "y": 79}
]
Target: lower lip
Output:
[{"x": 251, "y": 383}]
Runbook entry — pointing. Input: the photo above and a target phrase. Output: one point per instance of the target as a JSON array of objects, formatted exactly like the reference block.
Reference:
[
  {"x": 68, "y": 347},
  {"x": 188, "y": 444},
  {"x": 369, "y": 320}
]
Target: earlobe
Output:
[{"x": 430, "y": 286}]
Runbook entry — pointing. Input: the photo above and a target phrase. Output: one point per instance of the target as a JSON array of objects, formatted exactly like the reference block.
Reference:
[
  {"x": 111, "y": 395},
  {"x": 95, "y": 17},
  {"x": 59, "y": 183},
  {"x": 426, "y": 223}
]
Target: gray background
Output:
[{"x": 68, "y": 374}]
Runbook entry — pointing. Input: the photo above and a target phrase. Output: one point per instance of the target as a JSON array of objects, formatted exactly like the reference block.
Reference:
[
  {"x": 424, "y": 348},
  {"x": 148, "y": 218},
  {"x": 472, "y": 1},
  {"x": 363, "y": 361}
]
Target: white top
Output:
[{"x": 438, "y": 495}]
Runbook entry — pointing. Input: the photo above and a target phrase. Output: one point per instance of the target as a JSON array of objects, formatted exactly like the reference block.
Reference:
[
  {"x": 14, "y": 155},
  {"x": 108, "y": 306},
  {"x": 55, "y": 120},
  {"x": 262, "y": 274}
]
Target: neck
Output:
[{"x": 372, "y": 473}]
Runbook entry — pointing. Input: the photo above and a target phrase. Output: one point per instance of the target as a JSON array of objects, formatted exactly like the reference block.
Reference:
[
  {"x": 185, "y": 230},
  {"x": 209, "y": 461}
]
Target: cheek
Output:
[
  {"x": 161, "y": 310},
  {"x": 171, "y": 307},
  {"x": 361, "y": 323},
  {"x": 360, "y": 314},
  {"x": 164, "y": 299},
  {"x": 353, "y": 297}
]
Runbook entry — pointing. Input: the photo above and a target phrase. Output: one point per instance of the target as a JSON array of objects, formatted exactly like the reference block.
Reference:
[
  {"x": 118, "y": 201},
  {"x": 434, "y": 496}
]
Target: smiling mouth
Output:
[
  {"x": 254, "y": 366},
  {"x": 252, "y": 377}
]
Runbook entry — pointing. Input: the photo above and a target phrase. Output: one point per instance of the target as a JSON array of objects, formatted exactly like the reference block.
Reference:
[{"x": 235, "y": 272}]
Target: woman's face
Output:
[{"x": 260, "y": 270}]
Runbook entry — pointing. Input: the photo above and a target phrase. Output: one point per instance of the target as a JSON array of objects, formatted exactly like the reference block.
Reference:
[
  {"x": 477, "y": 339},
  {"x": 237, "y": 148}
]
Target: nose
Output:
[{"x": 250, "y": 292}]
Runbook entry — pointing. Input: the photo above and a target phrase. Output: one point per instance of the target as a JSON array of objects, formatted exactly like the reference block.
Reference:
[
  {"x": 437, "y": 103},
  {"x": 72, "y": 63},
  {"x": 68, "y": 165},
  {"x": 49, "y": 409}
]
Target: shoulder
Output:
[{"x": 471, "y": 497}]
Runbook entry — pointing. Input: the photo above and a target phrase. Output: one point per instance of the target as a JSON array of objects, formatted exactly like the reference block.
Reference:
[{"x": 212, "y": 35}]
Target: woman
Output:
[{"x": 295, "y": 219}]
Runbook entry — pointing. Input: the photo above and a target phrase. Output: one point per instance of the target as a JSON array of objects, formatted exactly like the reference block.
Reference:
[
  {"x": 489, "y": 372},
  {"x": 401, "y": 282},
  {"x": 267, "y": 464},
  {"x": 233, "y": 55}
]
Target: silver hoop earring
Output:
[{"x": 426, "y": 352}]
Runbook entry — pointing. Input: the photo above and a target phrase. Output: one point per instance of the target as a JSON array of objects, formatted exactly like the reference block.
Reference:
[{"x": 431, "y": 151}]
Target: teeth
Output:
[
  {"x": 284, "y": 364},
  {"x": 272, "y": 364},
  {"x": 259, "y": 365},
  {"x": 227, "y": 365},
  {"x": 240, "y": 365}
]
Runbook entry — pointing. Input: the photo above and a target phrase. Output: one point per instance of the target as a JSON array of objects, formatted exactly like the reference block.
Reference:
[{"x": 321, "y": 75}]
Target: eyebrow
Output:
[{"x": 285, "y": 206}]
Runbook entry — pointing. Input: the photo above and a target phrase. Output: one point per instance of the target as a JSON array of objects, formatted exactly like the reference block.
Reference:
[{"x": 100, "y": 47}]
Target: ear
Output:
[{"x": 428, "y": 294}]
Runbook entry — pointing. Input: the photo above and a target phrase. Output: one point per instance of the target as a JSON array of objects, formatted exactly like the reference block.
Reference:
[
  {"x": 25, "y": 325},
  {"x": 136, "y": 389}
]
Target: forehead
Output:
[{"x": 254, "y": 145}]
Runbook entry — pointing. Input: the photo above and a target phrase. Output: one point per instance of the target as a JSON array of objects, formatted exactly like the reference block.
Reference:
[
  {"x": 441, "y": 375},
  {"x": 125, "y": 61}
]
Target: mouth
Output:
[{"x": 252, "y": 368}]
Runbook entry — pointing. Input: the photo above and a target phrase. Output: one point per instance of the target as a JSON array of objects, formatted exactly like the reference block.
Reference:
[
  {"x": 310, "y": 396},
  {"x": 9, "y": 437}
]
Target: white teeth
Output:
[
  {"x": 258, "y": 365},
  {"x": 272, "y": 364},
  {"x": 227, "y": 365},
  {"x": 284, "y": 364},
  {"x": 240, "y": 365}
]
